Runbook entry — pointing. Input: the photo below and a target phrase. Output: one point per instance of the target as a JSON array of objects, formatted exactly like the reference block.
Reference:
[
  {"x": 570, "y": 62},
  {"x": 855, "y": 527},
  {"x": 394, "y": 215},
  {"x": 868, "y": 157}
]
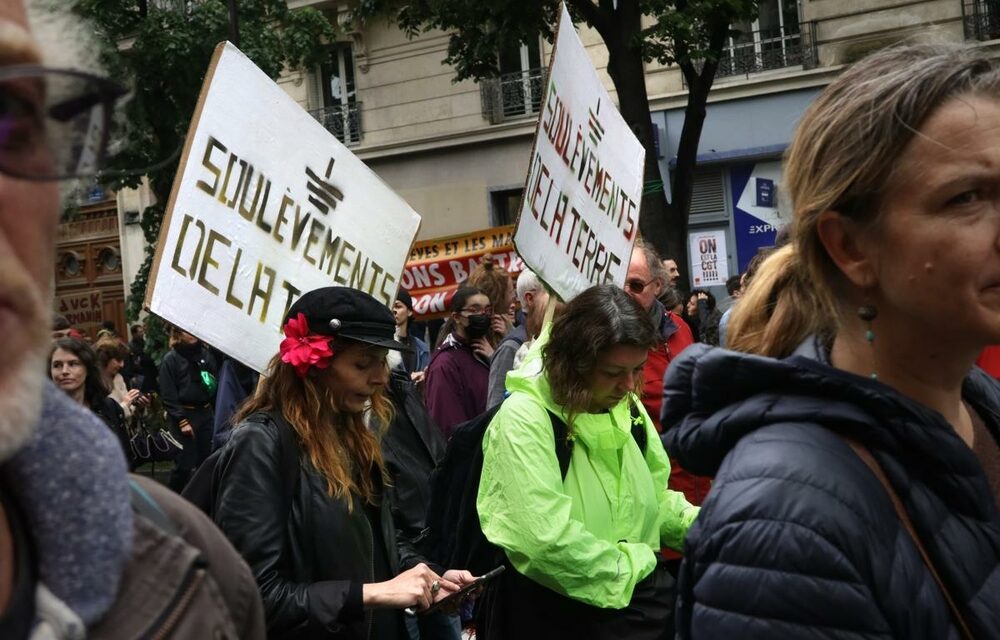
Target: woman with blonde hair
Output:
[
  {"x": 853, "y": 444},
  {"x": 300, "y": 485}
]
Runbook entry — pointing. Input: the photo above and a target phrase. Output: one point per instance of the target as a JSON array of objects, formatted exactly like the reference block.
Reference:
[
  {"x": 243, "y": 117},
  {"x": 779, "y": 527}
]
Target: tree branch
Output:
[{"x": 593, "y": 14}]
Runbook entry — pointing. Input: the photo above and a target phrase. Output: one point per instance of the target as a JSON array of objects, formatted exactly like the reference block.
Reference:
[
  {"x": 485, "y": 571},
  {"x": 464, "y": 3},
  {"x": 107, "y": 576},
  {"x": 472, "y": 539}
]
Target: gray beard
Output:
[{"x": 21, "y": 401}]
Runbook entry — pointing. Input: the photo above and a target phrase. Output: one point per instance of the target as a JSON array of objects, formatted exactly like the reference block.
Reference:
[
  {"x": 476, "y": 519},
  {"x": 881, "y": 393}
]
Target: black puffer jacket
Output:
[
  {"x": 311, "y": 557},
  {"x": 798, "y": 539}
]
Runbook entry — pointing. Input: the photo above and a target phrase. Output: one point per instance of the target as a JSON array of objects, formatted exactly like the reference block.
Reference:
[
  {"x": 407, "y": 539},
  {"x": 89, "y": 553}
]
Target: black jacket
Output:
[
  {"x": 797, "y": 537},
  {"x": 109, "y": 411},
  {"x": 180, "y": 379},
  {"x": 411, "y": 446},
  {"x": 309, "y": 557}
]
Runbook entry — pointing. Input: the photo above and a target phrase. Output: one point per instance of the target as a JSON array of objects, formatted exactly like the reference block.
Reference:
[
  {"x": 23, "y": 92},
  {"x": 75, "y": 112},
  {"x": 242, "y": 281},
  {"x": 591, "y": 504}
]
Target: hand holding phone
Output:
[{"x": 451, "y": 602}]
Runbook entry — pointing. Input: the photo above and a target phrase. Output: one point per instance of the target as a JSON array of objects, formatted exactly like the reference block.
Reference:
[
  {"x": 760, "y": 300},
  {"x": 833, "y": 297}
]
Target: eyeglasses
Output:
[
  {"x": 54, "y": 123},
  {"x": 478, "y": 311},
  {"x": 637, "y": 286}
]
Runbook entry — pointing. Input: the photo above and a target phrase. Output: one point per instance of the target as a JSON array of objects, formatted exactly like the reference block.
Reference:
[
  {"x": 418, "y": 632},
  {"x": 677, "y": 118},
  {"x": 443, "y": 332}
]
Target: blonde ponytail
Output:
[
  {"x": 842, "y": 158},
  {"x": 779, "y": 309}
]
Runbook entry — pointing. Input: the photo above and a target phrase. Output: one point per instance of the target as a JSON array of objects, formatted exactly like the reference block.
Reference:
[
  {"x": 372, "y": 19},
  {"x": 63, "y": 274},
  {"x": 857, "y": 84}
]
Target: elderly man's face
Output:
[
  {"x": 639, "y": 281},
  {"x": 29, "y": 213}
]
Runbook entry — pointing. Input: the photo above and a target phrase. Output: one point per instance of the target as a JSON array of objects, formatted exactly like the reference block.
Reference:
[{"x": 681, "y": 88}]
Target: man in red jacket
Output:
[{"x": 644, "y": 282}]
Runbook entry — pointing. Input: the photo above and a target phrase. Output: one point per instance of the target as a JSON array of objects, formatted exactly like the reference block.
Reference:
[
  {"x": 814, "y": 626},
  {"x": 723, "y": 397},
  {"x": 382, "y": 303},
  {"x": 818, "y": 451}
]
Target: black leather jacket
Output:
[{"x": 309, "y": 558}]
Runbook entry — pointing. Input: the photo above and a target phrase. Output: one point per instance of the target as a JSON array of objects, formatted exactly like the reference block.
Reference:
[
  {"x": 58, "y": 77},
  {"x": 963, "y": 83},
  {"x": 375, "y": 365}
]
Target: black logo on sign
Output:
[{"x": 323, "y": 195}]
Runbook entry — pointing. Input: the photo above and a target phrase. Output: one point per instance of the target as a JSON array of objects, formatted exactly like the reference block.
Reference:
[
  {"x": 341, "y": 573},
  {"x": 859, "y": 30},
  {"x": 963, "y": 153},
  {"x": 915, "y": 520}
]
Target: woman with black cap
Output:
[{"x": 300, "y": 484}]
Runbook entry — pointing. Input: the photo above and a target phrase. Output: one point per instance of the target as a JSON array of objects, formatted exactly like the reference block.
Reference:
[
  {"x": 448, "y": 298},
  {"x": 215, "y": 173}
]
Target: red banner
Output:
[{"x": 436, "y": 267}]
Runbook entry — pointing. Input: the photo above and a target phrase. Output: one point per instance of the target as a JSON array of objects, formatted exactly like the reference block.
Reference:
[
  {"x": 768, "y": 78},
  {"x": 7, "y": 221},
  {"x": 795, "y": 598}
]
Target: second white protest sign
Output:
[
  {"x": 267, "y": 205},
  {"x": 579, "y": 214}
]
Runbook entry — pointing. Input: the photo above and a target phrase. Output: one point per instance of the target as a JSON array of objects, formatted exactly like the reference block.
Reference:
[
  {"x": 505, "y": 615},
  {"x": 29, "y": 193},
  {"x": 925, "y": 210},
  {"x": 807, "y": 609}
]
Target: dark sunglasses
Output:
[
  {"x": 54, "y": 123},
  {"x": 637, "y": 286}
]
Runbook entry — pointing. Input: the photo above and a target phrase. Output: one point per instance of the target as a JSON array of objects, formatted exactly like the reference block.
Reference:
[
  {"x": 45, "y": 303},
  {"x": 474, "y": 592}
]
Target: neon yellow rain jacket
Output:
[{"x": 591, "y": 537}]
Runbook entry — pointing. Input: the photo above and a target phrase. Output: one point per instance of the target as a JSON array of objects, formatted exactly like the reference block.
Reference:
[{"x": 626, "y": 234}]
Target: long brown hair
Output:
[
  {"x": 601, "y": 317},
  {"x": 339, "y": 445},
  {"x": 842, "y": 159},
  {"x": 492, "y": 280}
]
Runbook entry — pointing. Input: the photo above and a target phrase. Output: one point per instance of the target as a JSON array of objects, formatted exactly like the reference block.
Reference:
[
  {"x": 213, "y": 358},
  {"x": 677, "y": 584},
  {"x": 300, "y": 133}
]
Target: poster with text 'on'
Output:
[
  {"x": 709, "y": 259},
  {"x": 266, "y": 205},
  {"x": 580, "y": 212}
]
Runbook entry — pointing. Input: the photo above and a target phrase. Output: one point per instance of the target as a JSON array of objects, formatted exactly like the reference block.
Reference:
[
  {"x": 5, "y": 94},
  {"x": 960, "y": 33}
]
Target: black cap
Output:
[
  {"x": 404, "y": 297},
  {"x": 348, "y": 313}
]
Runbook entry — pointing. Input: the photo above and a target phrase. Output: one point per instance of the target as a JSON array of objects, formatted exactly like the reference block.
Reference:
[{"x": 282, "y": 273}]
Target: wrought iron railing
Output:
[
  {"x": 981, "y": 19},
  {"x": 513, "y": 95},
  {"x": 343, "y": 121},
  {"x": 769, "y": 49}
]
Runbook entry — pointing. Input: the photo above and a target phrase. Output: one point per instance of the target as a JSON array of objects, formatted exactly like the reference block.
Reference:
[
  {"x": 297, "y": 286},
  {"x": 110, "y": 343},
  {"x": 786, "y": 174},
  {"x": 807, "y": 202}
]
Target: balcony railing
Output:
[
  {"x": 343, "y": 121},
  {"x": 513, "y": 95},
  {"x": 981, "y": 19},
  {"x": 769, "y": 49}
]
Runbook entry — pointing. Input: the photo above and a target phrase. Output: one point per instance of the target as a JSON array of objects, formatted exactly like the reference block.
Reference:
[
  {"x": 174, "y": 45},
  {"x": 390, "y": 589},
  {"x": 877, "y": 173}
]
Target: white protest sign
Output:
[
  {"x": 267, "y": 205},
  {"x": 580, "y": 212},
  {"x": 709, "y": 259}
]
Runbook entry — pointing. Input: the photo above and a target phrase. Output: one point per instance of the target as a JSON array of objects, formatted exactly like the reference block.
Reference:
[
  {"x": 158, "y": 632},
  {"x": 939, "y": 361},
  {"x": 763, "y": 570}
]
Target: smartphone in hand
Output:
[{"x": 454, "y": 600}]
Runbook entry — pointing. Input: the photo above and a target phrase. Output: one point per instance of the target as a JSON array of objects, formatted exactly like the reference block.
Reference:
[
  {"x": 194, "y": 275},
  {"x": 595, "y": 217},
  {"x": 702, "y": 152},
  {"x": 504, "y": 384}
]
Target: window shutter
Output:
[
  {"x": 707, "y": 193},
  {"x": 314, "y": 88}
]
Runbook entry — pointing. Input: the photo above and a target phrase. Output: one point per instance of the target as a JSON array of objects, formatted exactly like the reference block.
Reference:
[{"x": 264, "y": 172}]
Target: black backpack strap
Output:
[
  {"x": 564, "y": 445},
  {"x": 289, "y": 442},
  {"x": 288, "y": 450},
  {"x": 638, "y": 426}
]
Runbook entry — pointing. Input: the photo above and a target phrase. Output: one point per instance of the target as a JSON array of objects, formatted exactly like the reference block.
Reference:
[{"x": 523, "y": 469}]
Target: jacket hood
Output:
[
  {"x": 713, "y": 397},
  {"x": 529, "y": 378}
]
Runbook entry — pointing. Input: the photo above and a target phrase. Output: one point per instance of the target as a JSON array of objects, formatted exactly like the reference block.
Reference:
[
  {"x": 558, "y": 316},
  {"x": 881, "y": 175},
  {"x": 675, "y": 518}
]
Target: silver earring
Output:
[{"x": 868, "y": 313}]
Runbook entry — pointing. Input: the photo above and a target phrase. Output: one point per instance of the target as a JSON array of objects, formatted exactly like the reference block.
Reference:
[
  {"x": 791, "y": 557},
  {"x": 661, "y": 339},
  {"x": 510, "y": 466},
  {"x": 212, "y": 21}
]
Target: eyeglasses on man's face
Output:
[
  {"x": 636, "y": 285},
  {"x": 54, "y": 123}
]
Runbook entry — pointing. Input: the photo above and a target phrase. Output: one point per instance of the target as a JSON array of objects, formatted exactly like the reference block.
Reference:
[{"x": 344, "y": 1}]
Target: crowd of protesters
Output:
[{"x": 832, "y": 472}]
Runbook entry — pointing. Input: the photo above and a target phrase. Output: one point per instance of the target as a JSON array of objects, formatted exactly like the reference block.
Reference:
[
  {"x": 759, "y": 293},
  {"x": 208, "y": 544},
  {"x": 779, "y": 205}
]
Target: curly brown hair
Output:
[
  {"x": 494, "y": 282},
  {"x": 109, "y": 349},
  {"x": 601, "y": 317}
]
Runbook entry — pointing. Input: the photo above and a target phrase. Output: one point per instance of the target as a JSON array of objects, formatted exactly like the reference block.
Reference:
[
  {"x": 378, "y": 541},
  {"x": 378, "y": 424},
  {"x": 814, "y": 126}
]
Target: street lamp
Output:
[{"x": 234, "y": 24}]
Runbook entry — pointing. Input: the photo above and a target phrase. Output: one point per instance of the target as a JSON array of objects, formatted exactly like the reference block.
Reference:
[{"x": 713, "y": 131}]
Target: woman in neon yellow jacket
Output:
[{"x": 584, "y": 549}]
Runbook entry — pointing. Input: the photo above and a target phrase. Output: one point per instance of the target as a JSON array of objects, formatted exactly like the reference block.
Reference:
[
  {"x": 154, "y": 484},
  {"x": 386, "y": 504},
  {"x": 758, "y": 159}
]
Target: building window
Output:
[
  {"x": 518, "y": 89},
  {"x": 504, "y": 205},
  {"x": 982, "y": 19},
  {"x": 772, "y": 41},
  {"x": 339, "y": 111}
]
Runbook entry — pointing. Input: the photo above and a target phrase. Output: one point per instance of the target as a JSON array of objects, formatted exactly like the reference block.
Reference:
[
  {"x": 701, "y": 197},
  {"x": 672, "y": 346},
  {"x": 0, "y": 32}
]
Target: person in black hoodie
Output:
[
  {"x": 854, "y": 445},
  {"x": 412, "y": 447},
  {"x": 188, "y": 386}
]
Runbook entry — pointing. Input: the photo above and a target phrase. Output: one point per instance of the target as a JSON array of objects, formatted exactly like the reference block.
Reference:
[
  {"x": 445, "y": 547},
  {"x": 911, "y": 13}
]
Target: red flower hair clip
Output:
[{"x": 302, "y": 349}]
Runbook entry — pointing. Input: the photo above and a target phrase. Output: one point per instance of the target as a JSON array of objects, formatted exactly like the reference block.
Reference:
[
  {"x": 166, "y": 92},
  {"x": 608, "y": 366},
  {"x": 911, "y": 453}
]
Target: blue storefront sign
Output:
[
  {"x": 756, "y": 217},
  {"x": 765, "y": 192}
]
